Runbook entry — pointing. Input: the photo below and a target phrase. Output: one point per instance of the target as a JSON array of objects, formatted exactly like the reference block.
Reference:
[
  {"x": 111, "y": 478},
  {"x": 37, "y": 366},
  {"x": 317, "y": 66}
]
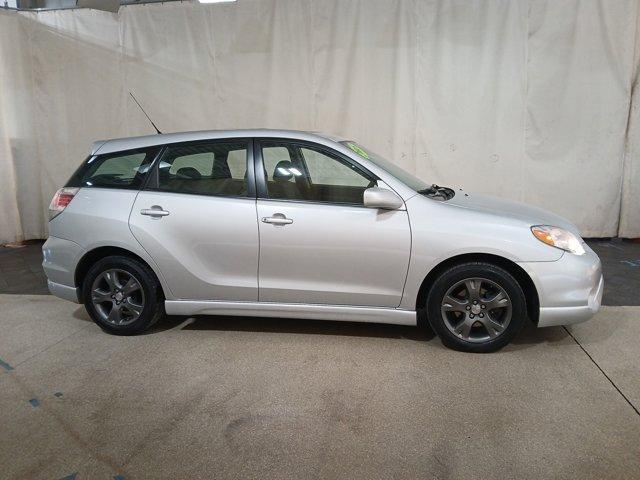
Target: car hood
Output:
[{"x": 507, "y": 208}]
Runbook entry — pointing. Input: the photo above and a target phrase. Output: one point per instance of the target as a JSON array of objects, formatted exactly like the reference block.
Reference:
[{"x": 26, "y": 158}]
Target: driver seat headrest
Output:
[{"x": 189, "y": 172}]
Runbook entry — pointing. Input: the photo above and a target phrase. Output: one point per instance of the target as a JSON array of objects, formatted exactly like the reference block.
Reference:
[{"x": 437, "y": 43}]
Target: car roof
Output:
[{"x": 129, "y": 143}]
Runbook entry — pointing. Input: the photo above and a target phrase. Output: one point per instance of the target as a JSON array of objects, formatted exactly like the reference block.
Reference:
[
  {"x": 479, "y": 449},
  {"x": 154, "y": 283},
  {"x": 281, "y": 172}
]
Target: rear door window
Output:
[
  {"x": 216, "y": 168},
  {"x": 126, "y": 169}
]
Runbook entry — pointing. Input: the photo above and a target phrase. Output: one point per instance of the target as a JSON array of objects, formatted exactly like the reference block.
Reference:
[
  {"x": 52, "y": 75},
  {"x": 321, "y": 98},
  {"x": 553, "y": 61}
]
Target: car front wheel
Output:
[
  {"x": 476, "y": 307},
  {"x": 122, "y": 295}
]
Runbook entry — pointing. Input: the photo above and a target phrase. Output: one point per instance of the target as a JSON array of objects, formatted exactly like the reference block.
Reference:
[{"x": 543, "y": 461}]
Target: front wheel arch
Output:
[{"x": 521, "y": 276}]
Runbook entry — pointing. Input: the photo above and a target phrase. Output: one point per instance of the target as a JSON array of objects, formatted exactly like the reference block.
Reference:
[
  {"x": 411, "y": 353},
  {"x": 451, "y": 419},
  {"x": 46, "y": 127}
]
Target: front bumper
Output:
[{"x": 569, "y": 289}]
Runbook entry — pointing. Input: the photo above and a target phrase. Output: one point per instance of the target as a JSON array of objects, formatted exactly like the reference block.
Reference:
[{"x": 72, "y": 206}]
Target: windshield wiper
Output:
[{"x": 435, "y": 191}]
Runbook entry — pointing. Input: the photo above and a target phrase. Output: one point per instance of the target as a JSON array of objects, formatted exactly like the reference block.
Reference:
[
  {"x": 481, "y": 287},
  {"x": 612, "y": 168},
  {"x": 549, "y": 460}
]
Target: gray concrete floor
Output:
[
  {"x": 220, "y": 397},
  {"x": 21, "y": 270},
  {"x": 621, "y": 268},
  {"x": 266, "y": 398}
]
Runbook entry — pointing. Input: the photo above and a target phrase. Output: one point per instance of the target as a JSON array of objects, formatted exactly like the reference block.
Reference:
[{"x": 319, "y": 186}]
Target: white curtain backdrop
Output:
[{"x": 530, "y": 100}]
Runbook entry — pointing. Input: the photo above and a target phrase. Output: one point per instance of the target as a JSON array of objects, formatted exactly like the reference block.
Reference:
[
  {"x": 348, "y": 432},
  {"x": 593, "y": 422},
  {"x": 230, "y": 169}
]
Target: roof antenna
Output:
[{"x": 145, "y": 113}]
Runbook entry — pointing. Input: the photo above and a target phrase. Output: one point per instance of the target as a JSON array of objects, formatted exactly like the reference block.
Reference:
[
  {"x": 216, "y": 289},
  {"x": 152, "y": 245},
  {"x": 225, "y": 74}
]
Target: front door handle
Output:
[
  {"x": 155, "y": 211},
  {"x": 277, "y": 219}
]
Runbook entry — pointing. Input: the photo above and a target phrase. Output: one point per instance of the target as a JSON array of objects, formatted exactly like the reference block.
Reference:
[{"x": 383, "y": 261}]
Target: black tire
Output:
[
  {"x": 151, "y": 293},
  {"x": 496, "y": 277}
]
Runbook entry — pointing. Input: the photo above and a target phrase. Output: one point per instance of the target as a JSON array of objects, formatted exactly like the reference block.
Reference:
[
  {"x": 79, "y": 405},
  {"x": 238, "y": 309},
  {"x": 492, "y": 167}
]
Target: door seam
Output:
[
  {"x": 259, "y": 248},
  {"x": 151, "y": 259}
]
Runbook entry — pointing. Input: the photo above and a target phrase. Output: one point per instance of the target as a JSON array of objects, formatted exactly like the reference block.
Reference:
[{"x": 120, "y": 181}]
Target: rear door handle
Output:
[
  {"x": 155, "y": 211},
  {"x": 277, "y": 219}
]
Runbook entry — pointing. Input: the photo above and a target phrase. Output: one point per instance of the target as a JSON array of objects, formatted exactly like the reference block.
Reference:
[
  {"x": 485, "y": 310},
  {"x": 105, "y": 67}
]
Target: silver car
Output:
[{"x": 276, "y": 223}]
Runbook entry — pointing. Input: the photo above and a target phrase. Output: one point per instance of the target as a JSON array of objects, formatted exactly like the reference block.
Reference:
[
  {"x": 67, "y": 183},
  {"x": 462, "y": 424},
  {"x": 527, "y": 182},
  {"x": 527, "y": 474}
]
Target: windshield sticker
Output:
[{"x": 358, "y": 150}]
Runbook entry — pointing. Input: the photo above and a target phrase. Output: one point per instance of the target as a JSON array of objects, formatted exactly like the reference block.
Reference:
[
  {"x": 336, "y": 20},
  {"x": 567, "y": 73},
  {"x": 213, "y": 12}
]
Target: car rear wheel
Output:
[
  {"x": 476, "y": 307},
  {"x": 122, "y": 295}
]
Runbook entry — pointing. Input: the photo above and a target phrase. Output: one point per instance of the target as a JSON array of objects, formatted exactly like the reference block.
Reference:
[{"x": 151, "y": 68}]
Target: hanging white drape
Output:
[{"x": 527, "y": 100}]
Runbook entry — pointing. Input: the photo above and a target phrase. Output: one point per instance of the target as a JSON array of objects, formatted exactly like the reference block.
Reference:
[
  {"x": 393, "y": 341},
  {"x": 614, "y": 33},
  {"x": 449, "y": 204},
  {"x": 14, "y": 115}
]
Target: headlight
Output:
[{"x": 559, "y": 238}]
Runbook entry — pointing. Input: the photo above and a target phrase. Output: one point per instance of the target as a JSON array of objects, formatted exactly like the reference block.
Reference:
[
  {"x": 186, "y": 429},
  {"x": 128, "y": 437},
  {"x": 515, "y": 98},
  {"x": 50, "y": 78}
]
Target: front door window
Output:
[{"x": 309, "y": 173}]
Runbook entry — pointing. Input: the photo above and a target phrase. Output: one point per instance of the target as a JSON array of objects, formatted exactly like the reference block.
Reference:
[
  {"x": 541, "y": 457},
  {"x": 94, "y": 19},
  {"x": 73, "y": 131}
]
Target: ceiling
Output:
[{"x": 40, "y": 5}]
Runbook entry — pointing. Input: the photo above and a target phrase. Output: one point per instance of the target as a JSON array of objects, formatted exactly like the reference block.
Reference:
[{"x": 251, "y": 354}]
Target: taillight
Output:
[{"x": 60, "y": 200}]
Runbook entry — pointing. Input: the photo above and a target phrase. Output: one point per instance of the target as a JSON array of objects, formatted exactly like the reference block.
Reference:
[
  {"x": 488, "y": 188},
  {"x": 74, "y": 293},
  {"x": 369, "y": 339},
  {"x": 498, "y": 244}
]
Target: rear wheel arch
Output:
[
  {"x": 92, "y": 256},
  {"x": 521, "y": 276}
]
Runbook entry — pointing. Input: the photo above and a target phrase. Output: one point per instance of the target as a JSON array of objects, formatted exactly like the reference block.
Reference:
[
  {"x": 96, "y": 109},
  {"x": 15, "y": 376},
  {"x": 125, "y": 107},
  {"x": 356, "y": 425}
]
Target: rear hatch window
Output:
[{"x": 127, "y": 169}]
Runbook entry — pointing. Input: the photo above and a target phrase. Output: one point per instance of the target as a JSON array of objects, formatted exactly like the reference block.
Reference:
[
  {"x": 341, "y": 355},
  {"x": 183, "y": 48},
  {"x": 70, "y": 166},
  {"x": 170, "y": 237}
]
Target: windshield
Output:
[{"x": 411, "y": 181}]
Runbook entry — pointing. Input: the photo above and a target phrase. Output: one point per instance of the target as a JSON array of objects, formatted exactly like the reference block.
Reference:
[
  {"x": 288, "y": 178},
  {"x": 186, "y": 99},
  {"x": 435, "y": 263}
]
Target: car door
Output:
[
  {"x": 319, "y": 244},
  {"x": 197, "y": 219}
]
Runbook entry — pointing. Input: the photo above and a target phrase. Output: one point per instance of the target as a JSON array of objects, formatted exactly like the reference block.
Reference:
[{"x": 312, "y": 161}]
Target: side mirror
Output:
[{"x": 376, "y": 197}]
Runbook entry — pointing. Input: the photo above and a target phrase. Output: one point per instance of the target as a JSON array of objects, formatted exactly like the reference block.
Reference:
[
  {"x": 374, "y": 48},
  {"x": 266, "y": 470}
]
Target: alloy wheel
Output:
[
  {"x": 117, "y": 297},
  {"x": 476, "y": 310}
]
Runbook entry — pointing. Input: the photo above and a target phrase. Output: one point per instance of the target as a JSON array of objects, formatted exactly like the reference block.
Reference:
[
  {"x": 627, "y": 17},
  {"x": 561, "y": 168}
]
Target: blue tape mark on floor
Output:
[
  {"x": 5, "y": 365},
  {"x": 631, "y": 263},
  {"x": 119, "y": 477},
  {"x": 70, "y": 477},
  {"x": 34, "y": 402},
  {"x": 58, "y": 394}
]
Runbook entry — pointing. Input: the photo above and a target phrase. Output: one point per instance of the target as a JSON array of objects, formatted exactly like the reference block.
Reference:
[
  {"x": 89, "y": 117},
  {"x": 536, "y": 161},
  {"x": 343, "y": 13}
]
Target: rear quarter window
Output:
[{"x": 127, "y": 170}]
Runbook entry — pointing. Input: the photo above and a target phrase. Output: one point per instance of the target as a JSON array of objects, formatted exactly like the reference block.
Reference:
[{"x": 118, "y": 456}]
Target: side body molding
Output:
[{"x": 340, "y": 313}]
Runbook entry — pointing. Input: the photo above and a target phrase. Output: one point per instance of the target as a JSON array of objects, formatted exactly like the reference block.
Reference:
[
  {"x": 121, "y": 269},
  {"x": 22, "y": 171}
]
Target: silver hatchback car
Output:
[{"x": 293, "y": 224}]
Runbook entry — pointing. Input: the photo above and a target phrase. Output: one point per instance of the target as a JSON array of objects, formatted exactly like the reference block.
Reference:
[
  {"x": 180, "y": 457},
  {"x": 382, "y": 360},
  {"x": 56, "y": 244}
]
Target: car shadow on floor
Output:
[
  {"x": 299, "y": 326},
  {"x": 528, "y": 336},
  {"x": 531, "y": 335}
]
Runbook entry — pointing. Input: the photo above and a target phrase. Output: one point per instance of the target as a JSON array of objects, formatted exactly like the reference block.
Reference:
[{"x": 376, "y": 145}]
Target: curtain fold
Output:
[
  {"x": 529, "y": 100},
  {"x": 15, "y": 119},
  {"x": 630, "y": 207}
]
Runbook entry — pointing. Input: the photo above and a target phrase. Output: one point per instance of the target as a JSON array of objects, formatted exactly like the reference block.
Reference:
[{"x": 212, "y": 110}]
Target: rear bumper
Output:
[
  {"x": 569, "y": 290},
  {"x": 63, "y": 291},
  {"x": 60, "y": 258}
]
